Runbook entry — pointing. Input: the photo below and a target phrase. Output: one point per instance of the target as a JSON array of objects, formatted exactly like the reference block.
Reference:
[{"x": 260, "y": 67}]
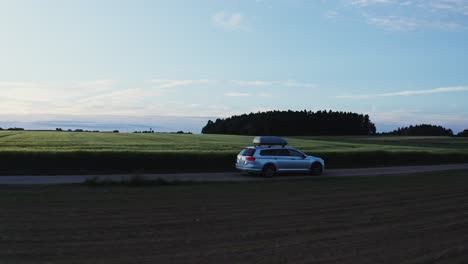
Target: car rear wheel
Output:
[
  {"x": 316, "y": 169},
  {"x": 269, "y": 171}
]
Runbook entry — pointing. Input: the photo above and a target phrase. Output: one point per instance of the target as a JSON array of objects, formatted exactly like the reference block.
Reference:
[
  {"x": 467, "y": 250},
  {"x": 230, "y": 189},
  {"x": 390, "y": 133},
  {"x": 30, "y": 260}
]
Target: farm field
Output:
[
  {"x": 23, "y": 152},
  {"x": 420, "y": 218},
  {"x": 72, "y": 141}
]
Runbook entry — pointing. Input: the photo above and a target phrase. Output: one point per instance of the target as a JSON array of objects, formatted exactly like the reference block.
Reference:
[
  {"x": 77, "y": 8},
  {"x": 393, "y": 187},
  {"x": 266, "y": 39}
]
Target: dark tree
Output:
[
  {"x": 464, "y": 133},
  {"x": 293, "y": 123},
  {"x": 421, "y": 130}
]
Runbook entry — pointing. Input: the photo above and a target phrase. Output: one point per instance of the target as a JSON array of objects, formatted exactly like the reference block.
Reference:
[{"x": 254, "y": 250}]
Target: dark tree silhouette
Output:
[
  {"x": 421, "y": 130},
  {"x": 464, "y": 133},
  {"x": 293, "y": 123}
]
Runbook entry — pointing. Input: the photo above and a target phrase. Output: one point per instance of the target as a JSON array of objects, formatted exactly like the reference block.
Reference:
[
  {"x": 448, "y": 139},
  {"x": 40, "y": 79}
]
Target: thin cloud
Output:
[
  {"x": 407, "y": 93},
  {"x": 50, "y": 91},
  {"x": 458, "y": 6},
  {"x": 395, "y": 23},
  {"x": 404, "y": 15},
  {"x": 331, "y": 14},
  {"x": 240, "y": 94},
  {"x": 370, "y": 2},
  {"x": 298, "y": 84},
  {"x": 167, "y": 83},
  {"x": 232, "y": 21},
  {"x": 49, "y": 97},
  {"x": 251, "y": 83},
  {"x": 109, "y": 97},
  {"x": 170, "y": 83},
  {"x": 235, "y": 94},
  {"x": 289, "y": 83}
]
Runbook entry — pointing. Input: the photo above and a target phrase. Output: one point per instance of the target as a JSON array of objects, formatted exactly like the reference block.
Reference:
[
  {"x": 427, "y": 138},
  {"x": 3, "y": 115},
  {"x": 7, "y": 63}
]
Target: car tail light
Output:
[{"x": 250, "y": 159}]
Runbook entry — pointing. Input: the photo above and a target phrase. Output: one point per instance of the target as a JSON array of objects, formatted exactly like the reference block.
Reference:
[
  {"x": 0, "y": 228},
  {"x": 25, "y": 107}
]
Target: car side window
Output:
[
  {"x": 268, "y": 152},
  {"x": 282, "y": 152},
  {"x": 295, "y": 153}
]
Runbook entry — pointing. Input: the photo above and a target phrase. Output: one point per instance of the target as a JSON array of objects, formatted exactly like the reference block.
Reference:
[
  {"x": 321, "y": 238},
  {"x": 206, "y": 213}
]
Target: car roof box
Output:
[{"x": 270, "y": 141}]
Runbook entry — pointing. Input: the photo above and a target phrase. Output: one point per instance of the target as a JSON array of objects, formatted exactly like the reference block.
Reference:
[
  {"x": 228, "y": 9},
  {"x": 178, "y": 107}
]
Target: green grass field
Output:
[{"x": 68, "y": 152}]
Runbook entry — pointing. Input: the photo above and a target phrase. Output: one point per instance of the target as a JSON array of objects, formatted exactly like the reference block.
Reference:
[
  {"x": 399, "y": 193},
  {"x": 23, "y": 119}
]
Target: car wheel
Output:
[
  {"x": 269, "y": 171},
  {"x": 316, "y": 169}
]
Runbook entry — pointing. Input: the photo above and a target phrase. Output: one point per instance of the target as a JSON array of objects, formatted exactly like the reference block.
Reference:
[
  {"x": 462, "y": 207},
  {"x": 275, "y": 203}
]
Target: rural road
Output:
[{"x": 225, "y": 176}]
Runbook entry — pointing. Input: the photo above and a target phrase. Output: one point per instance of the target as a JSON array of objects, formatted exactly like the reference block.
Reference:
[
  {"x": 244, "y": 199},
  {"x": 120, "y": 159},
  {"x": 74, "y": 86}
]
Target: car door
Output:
[
  {"x": 297, "y": 161},
  {"x": 282, "y": 159}
]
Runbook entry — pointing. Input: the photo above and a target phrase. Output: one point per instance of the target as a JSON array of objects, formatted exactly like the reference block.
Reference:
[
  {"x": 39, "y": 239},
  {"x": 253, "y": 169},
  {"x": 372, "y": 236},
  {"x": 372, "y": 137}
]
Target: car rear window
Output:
[{"x": 247, "y": 152}]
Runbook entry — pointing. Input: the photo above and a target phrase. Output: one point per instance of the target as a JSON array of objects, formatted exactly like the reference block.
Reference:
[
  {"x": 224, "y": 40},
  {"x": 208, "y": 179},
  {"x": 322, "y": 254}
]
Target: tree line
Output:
[
  {"x": 464, "y": 133},
  {"x": 421, "y": 130},
  {"x": 293, "y": 123}
]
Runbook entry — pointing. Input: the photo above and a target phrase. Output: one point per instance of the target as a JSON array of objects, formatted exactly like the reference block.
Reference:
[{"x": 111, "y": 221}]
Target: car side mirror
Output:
[{"x": 304, "y": 156}]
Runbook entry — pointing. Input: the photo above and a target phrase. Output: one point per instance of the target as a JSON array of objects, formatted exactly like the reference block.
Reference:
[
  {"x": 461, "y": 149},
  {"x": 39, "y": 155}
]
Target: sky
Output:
[{"x": 172, "y": 65}]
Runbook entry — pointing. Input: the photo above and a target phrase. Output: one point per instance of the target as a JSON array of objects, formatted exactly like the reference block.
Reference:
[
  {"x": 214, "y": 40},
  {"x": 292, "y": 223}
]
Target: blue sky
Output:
[{"x": 401, "y": 62}]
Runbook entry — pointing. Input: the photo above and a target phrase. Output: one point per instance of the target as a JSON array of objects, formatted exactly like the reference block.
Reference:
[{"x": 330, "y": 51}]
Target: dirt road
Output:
[{"x": 225, "y": 176}]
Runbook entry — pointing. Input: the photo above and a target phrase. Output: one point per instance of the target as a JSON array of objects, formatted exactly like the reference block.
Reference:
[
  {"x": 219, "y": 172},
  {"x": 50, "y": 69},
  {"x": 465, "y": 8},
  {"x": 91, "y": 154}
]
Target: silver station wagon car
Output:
[{"x": 271, "y": 155}]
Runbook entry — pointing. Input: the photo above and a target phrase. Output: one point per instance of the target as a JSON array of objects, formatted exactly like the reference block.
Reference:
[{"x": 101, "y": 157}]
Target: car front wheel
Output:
[{"x": 316, "y": 169}]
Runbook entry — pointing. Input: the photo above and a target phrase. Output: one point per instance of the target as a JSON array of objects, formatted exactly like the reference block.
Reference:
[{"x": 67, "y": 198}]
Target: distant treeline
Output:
[
  {"x": 13, "y": 129},
  {"x": 464, "y": 133},
  {"x": 152, "y": 132},
  {"x": 293, "y": 123},
  {"x": 80, "y": 130},
  {"x": 421, "y": 130}
]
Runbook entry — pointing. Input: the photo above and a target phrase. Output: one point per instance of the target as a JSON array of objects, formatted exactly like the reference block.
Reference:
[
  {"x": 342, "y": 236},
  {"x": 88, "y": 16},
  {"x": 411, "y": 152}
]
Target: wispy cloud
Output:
[
  {"x": 172, "y": 83},
  {"x": 240, "y": 94},
  {"x": 48, "y": 97},
  {"x": 370, "y": 2},
  {"x": 167, "y": 83},
  {"x": 410, "y": 15},
  {"x": 236, "y": 94},
  {"x": 47, "y": 91},
  {"x": 288, "y": 83},
  {"x": 292, "y": 83},
  {"x": 457, "y": 6},
  {"x": 331, "y": 14},
  {"x": 109, "y": 97},
  {"x": 407, "y": 93},
  {"x": 251, "y": 83},
  {"x": 395, "y": 23},
  {"x": 229, "y": 21}
]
